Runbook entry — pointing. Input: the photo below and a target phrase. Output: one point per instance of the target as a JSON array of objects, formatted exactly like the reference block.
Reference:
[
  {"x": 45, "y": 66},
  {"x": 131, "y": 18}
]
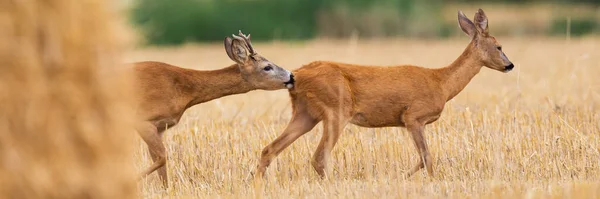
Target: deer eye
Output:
[
  {"x": 268, "y": 68},
  {"x": 499, "y": 48}
]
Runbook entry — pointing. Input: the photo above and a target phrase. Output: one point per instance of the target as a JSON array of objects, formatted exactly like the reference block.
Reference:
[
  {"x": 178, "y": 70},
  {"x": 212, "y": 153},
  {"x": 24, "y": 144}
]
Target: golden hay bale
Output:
[{"x": 64, "y": 117}]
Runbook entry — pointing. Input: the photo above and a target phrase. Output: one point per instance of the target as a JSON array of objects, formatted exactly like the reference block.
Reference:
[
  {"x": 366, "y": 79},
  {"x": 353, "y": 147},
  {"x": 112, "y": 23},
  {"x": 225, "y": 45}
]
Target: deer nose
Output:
[
  {"x": 290, "y": 84},
  {"x": 509, "y": 67}
]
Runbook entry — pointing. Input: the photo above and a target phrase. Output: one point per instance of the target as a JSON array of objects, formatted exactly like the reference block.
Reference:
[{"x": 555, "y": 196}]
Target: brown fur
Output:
[
  {"x": 166, "y": 91},
  {"x": 407, "y": 96}
]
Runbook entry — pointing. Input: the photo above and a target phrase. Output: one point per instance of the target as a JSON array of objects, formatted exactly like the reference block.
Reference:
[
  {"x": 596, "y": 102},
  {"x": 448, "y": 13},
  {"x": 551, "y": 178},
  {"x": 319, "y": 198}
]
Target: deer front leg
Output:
[
  {"x": 150, "y": 135},
  {"x": 332, "y": 129},
  {"x": 416, "y": 131},
  {"x": 300, "y": 124},
  {"x": 160, "y": 157}
]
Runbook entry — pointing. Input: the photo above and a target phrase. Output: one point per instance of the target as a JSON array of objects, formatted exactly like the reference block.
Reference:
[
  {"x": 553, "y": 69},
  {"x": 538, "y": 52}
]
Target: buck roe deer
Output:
[
  {"x": 166, "y": 91},
  {"x": 407, "y": 96}
]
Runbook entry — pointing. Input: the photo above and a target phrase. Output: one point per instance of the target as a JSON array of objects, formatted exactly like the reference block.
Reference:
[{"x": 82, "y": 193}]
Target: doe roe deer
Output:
[
  {"x": 166, "y": 91},
  {"x": 368, "y": 96}
]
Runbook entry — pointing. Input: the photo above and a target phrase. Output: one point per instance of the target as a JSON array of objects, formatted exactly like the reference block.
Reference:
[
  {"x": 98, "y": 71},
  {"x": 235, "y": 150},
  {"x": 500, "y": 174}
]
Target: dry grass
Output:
[
  {"x": 533, "y": 132},
  {"x": 64, "y": 114}
]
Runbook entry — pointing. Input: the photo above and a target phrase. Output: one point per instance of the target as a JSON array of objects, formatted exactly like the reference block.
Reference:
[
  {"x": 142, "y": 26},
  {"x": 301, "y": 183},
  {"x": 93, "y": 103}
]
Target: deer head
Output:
[
  {"x": 485, "y": 45},
  {"x": 256, "y": 69}
]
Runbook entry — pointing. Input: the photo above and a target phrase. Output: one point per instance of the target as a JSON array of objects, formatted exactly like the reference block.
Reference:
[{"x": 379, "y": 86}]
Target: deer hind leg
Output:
[
  {"x": 300, "y": 124},
  {"x": 332, "y": 128},
  {"x": 416, "y": 131},
  {"x": 150, "y": 135}
]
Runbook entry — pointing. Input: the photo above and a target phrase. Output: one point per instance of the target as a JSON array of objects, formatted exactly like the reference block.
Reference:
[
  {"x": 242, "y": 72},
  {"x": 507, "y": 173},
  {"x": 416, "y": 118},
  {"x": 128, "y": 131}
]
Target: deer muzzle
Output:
[
  {"x": 290, "y": 84},
  {"x": 509, "y": 67}
]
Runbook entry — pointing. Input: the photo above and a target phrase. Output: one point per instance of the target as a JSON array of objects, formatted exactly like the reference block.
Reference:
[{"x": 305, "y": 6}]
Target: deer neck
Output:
[
  {"x": 457, "y": 75},
  {"x": 209, "y": 85}
]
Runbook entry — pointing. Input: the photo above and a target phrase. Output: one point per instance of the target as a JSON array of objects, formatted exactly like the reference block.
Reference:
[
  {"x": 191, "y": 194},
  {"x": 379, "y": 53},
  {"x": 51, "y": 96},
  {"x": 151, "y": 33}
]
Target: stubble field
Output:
[{"x": 533, "y": 132}]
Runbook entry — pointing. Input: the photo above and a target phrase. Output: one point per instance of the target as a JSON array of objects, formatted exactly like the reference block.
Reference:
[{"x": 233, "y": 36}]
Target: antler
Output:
[{"x": 246, "y": 39}]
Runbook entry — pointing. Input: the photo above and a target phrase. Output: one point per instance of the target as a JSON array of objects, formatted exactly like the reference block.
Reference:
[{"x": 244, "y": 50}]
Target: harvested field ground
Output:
[{"x": 533, "y": 132}]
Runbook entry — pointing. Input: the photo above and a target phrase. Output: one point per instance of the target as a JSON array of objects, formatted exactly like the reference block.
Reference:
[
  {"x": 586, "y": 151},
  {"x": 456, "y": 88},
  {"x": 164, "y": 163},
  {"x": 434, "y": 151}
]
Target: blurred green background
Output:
[{"x": 171, "y": 22}]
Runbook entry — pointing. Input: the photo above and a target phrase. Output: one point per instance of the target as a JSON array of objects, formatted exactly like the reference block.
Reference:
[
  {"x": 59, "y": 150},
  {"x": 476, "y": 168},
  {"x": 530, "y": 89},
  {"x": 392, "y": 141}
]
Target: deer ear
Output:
[
  {"x": 236, "y": 50},
  {"x": 466, "y": 25},
  {"x": 228, "y": 44},
  {"x": 481, "y": 22}
]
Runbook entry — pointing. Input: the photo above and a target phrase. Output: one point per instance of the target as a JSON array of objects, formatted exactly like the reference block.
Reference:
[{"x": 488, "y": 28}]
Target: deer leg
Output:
[
  {"x": 332, "y": 129},
  {"x": 150, "y": 135},
  {"x": 300, "y": 124},
  {"x": 158, "y": 156},
  {"x": 416, "y": 131}
]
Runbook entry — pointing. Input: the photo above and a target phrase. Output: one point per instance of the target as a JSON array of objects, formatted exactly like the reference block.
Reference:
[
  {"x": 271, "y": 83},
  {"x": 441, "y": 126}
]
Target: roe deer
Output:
[
  {"x": 407, "y": 96},
  {"x": 166, "y": 91}
]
